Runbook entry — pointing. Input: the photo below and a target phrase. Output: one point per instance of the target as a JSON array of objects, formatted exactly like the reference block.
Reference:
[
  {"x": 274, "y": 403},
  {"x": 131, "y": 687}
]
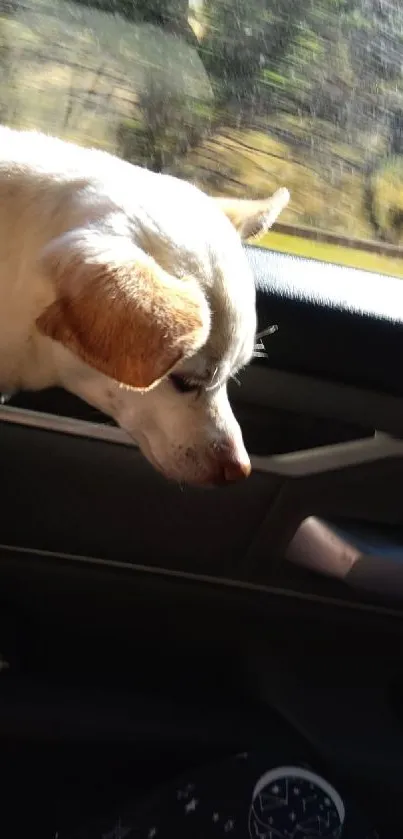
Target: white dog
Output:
[{"x": 132, "y": 290}]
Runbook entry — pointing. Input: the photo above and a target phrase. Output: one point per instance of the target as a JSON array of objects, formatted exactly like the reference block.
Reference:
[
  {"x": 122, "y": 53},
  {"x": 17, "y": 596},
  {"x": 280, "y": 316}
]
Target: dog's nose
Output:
[
  {"x": 234, "y": 464},
  {"x": 236, "y": 470}
]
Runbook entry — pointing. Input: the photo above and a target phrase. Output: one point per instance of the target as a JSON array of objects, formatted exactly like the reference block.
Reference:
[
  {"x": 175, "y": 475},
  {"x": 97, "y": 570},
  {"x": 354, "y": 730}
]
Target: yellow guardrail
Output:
[{"x": 379, "y": 257}]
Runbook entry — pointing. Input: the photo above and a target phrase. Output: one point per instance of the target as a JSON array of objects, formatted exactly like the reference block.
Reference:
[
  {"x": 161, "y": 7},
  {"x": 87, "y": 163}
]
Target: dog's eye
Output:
[{"x": 183, "y": 385}]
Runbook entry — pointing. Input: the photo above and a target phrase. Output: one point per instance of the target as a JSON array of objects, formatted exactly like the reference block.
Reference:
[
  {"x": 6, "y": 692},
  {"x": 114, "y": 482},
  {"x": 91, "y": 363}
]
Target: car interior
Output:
[{"x": 147, "y": 626}]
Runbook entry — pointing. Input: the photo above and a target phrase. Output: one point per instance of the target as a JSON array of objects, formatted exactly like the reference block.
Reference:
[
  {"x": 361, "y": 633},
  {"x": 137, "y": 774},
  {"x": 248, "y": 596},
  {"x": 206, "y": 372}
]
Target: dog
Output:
[{"x": 132, "y": 290}]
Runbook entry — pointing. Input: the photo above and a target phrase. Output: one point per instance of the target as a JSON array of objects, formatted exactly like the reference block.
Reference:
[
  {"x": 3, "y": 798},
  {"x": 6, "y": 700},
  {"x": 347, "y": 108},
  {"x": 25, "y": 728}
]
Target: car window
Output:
[{"x": 238, "y": 96}]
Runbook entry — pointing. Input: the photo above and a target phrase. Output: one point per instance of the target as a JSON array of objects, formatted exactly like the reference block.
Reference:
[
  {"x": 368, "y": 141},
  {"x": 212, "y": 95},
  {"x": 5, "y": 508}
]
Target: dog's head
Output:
[{"x": 161, "y": 325}]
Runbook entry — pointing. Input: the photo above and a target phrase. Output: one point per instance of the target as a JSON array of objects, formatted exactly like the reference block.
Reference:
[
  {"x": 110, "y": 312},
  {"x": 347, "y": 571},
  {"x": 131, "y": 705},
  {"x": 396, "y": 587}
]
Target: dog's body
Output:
[{"x": 132, "y": 290}]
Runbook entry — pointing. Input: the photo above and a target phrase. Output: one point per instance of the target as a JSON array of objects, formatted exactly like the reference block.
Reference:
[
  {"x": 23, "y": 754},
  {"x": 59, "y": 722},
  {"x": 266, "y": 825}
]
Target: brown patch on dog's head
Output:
[
  {"x": 252, "y": 218},
  {"x": 128, "y": 319}
]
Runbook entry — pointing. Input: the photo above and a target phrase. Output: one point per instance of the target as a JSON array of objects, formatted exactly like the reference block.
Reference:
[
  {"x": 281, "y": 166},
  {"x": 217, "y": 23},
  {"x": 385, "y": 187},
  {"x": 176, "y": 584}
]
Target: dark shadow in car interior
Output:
[{"x": 147, "y": 626}]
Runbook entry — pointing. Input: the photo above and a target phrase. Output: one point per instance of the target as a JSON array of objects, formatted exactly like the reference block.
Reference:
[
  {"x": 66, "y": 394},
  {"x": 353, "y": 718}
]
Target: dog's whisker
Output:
[
  {"x": 5, "y": 397},
  {"x": 270, "y": 330},
  {"x": 214, "y": 375},
  {"x": 260, "y": 349}
]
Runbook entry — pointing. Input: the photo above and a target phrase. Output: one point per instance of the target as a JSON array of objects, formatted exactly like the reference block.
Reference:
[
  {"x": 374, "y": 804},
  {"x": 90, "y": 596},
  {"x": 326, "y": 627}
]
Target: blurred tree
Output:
[
  {"x": 166, "y": 121},
  {"x": 244, "y": 39},
  {"x": 375, "y": 31},
  {"x": 167, "y": 125},
  {"x": 172, "y": 15},
  {"x": 8, "y": 7}
]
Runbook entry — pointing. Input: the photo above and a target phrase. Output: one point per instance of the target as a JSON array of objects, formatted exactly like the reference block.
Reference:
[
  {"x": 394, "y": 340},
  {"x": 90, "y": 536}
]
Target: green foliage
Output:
[
  {"x": 387, "y": 199},
  {"x": 166, "y": 127},
  {"x": 303, "y": 92}
]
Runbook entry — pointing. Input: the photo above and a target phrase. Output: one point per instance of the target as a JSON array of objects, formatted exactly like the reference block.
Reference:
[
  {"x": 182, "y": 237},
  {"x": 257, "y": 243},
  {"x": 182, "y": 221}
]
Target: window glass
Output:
[{"x": 239, "y": 96}]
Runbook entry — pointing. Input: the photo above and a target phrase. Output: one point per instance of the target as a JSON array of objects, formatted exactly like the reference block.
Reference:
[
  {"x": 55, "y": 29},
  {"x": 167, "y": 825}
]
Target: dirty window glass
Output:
[{"x": 239, "y": 96}]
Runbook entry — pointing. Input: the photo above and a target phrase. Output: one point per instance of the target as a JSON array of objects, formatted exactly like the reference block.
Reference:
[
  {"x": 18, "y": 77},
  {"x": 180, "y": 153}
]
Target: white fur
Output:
[{"x": 48, "y": 188}]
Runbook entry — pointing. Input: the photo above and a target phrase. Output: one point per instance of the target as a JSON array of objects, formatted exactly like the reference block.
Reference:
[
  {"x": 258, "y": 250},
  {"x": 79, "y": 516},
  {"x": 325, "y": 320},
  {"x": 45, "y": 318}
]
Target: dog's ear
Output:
[
  {"x": 252, "y": 218},
  {"x": 119, "y": 311}
]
